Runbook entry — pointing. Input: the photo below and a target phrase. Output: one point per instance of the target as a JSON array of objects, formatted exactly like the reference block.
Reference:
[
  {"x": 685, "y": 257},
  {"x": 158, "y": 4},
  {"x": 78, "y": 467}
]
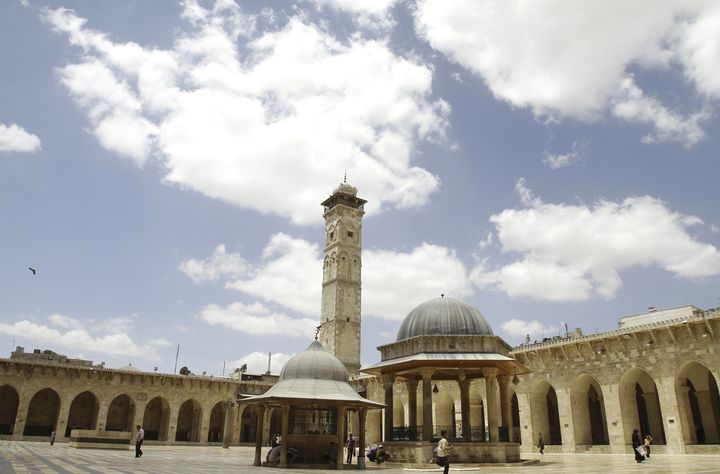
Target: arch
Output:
[
  {"x": 477, "y": 415},
  {"x": 698, "y": 403},
  {"x": 343, "y": 270},
  {"x": 398, "y": 411},
  {"x": 640, "y": 406},
  {"x": 42, "y": 414},
  {"x": 189, "y": 419},
  {"x": 545, "y": 413},
  {"x": 216, "y": 427},
  {"x": 9, "y": 402},
  {"x": 445, "y": 414},
  {"x": 276, "y": 421},
  {"x": 121, "y": 413},
  {"x": 515, "y": 417},
  {"x": 156, "y": 419},
  {"x": 588, "y": 408},
  {"x": 83, "y": 413},
  {"x": 248, "y": 424}
]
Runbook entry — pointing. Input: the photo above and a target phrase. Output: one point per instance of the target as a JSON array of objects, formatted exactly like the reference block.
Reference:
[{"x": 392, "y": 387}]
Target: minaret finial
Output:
[
  {"x": 317, "y": 331},
  {"x": 345, "y": 178}
]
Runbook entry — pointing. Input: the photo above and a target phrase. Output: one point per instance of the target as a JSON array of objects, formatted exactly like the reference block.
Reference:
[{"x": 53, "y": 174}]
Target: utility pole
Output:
[{"x": 177, "y": 353}]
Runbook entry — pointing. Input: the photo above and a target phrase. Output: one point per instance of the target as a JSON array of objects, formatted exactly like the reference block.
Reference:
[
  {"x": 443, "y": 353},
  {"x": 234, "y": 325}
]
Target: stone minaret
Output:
[{"x": 340, "y": 313}]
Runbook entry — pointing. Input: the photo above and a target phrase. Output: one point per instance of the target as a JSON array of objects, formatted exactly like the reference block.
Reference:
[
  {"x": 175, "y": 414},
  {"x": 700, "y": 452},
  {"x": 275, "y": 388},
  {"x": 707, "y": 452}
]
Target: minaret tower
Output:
[{"x": 341, "y": 287}]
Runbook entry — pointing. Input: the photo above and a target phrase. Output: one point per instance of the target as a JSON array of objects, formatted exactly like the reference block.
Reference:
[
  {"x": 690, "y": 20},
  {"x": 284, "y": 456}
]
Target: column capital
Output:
[
  {"x": 489, "y": 372},
  {"x": 426, "y": 374},
  {"x": 411, "y": 384},
  {"x": 388, "y": 379}
]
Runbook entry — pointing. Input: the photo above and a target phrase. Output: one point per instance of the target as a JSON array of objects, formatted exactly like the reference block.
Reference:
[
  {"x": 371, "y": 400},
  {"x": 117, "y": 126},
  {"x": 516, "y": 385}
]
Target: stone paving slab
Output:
[{"x": 23, "y": 457}]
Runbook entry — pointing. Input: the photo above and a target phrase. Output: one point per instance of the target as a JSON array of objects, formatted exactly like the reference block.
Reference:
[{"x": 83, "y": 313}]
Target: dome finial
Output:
[
  {"x": 317, "y": 331},
  {"x": 442, "y": 295},
  {"x": 345, "y": 177}
]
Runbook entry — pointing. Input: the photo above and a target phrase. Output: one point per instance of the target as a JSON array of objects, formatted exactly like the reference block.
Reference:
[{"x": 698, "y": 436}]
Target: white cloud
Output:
[
  {"x": 561, "y": 160},
  {"x": 159, "y": 342},
  {"x": 369, "y": 13},
  {"x": 560, "y": 61},
  {"x": 395, "y": 282},
  {"x": 257, "y": 319},
  {"x": 118, "y": 344},
  {"x": 535, "y": 329},
  {"x": 573, "y": 252},
  {"x": 296, "y": 110},
  {"x": 14, "y": 138},
  {"x": 65, "y": 322},
  {"x": 257, "y": 362},
  {"x": 220, "y": 265}
]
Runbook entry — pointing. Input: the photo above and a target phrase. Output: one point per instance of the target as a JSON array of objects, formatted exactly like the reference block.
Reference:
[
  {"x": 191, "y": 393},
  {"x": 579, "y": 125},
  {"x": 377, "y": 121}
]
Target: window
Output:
[
  {"x": 332, "y": 235},
  {"x": 350, "y": 233}
]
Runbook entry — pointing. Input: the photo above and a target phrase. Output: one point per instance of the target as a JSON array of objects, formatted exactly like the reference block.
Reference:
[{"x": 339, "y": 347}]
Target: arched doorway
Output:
[
  {"x": 515, "y": 416},
  {"x": 217, "y": 423},
  {"x": 189, "y": 418},
  {"x": 640, "y": 406},
  {"x": 588, "y": 409},
  {"x": 9, "y": 401},
  {"x": 83, "y": 413},
  {"x": 276, "y": 421},
  {"x": 545, "y": 413},
  {"x": 120, "y": 414},
  {"x": 477, "y": 416},
  {"x": 42, "y": 415},
  {"x": 248, "y": 424},
  {"x": 156, "y": 419},
  {"x": 699, "y": 404},
  {"x": 444, "y": 414}
]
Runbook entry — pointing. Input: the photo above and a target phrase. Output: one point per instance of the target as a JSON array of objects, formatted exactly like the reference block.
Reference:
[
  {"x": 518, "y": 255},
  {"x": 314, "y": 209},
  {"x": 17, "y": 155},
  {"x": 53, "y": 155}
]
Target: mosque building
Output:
[{"x": 446, "y": 370}]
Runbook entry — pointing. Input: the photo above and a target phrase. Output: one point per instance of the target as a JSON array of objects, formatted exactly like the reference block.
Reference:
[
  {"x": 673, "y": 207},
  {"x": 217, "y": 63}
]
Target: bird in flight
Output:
[{"x": 32, "y": 270}]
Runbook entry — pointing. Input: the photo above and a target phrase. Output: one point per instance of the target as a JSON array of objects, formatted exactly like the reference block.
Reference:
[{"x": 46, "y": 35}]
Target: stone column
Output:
[
  {"x": 490, "y": 374},
  {"x": 677, "y": 426},
  {"x": 465, "y": 407},
  {"x": 174, "y": 416},
  {"x": 227, "y": 425},
  {"x": 20, "y": 417},
  {"x": 388, "y": 385},
  {"x": 258, "y": 435},
  {"x": 707, "y": 416},
  {"x": 362, "y": 415},
  {"x": 61, "y": 425},
  {"x": 103, "y": 408},
  {"x": 427, "y": 404},
  {"x": 138, "y": 418},
  {"x": 613, "y": 417},
  {"x": 526, "y": 422},
  {"x": 565, "y": 414},
  {"x": 411, "y": 386},
  {"x": 284, "y": 435},
  {"x": 340, "y": 437},
  {"x": 237, "y": 425},
  {"x": 506, "y": 405}
]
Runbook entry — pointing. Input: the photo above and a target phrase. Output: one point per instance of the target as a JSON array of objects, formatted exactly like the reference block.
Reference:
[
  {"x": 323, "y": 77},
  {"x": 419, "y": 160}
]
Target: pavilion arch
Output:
[
  {"x": 121, "y": 413},
  {"x": 216, "y": 427},
  {"x": 698, "y": 403},
  {"x": 515, "y": 418},
  {"x": 42, "y": 414},
  {"x": 9, "y": 401},
  {"x": 156, "y": 419},
  {"x": 444, "y": 414},
  {"x": 640, "y": 406},
  {"x": 189, "y": 421},
  {"x": 83, "y": 413},
  {"x": 588, "y": 409},
  {"x": 477, "y": 414},
  {"x": 248, "y": 424},
  {"x": 545, "y": 413},
  {"x": 276, "y": 421},
  {"x": 398, "y": 411}
]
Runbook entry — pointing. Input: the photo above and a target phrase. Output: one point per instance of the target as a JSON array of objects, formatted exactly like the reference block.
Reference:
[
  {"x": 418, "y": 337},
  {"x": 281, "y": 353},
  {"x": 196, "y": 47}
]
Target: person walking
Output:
[
  {"x": 139, "y": 437},
  {"x": 637, "y": 446},
  {"x": 443, "y": 452},
  {"x": 52, "y": 437},
  {"x": 541, "y": 443},
  {"x": 350, "y": 446},
  {"x": 647, "y": 442}
]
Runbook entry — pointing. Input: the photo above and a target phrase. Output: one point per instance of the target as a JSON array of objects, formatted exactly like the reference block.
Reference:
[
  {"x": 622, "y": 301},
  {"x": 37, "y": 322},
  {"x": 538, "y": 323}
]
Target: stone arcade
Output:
[{"x": 586, "y": 393}]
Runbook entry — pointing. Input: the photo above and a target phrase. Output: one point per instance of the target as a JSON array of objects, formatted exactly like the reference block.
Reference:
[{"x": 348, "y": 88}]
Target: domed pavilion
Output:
[
  {"x": 314, "y": 397},
  {"x": 447, "y": 340}
]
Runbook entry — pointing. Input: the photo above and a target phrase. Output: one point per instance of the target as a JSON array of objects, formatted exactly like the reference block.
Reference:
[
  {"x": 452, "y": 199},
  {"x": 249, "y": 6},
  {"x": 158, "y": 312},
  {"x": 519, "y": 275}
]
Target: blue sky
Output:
[{"x": 162, "y": 165}]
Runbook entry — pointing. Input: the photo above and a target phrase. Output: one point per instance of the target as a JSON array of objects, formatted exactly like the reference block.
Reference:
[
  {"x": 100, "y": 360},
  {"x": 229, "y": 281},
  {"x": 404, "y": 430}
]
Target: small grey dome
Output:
[
  {"x": 314, "y": 363},
  {"x": 443, "y": 316},
  {"x": 129, "y": 367}
]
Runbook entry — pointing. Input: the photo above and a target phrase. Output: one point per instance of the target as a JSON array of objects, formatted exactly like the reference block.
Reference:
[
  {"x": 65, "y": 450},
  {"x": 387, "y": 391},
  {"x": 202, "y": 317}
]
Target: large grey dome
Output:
[
  {"x": 314, "y": 363},
  {"x": 443, "y": 316}
]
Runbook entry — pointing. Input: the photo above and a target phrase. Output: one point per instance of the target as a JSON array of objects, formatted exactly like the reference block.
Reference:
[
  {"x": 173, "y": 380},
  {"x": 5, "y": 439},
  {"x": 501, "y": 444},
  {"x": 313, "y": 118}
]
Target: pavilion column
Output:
[
  {"x": 340, "y": 437},
  {"x": 427, "y": 404},
  {"x": 258, "y": 435},
  {"x": 411, "y": 385},
  {"x": 506, "y": 405},
  {"x": 284, "y": 435},
  {"x": 388, "y": 385},
  {"x": 465, "y": 407},
  {"x": 362, "y": 415},
  {"x": 490, "y": 375}
]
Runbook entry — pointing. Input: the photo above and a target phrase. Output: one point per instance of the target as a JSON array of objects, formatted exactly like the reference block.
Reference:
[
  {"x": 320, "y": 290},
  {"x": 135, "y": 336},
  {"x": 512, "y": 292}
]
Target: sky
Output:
[{"x": 552, "y": 163}]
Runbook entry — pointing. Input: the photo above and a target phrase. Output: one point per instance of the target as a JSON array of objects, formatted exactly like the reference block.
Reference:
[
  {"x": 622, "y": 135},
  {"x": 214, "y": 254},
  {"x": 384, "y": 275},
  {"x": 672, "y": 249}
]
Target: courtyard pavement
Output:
[{"x": 33, "y": 457}]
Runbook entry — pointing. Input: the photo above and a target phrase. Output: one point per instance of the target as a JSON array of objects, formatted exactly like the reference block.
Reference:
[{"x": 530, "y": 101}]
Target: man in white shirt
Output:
[
  {"x": 443, "y": 449},
  {"x": 139, "y": 440}
]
